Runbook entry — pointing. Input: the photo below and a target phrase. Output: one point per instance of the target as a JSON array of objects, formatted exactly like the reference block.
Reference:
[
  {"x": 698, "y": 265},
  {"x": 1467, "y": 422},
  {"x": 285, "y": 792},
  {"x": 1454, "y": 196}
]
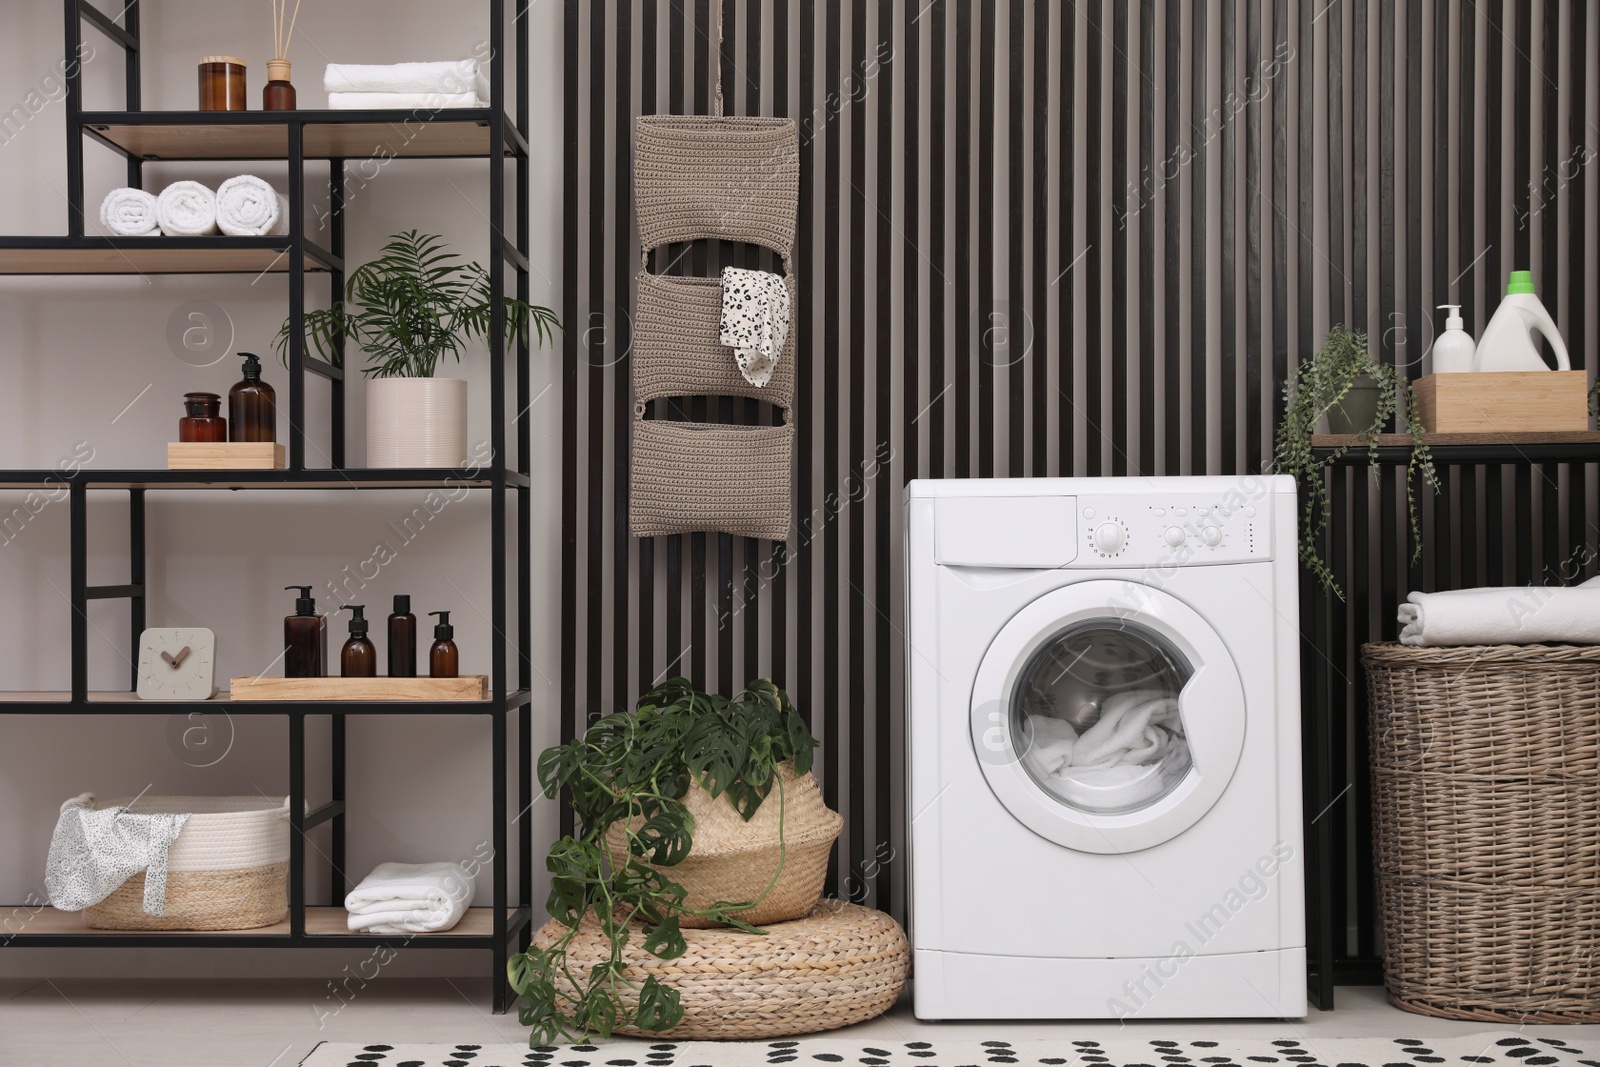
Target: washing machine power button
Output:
[{"x": 1110, "y": 538}]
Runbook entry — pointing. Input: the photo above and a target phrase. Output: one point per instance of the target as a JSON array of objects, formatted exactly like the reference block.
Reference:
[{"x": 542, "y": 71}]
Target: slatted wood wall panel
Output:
[{"x": 1036, "y": 239}]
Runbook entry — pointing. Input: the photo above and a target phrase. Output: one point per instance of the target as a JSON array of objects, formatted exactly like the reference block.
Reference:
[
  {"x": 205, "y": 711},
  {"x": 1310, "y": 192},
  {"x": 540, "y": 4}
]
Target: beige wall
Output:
[{"x": 86, "y": 366}]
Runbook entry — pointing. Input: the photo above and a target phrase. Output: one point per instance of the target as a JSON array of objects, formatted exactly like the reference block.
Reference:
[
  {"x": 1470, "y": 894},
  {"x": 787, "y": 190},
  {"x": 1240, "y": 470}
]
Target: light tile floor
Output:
[{"x": 275, "y": 1023}]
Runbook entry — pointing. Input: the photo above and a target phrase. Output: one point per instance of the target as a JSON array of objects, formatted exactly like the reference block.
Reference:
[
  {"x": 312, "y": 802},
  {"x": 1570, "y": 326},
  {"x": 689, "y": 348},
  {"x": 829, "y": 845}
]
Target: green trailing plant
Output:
[
  {"x": 1319, "y": 385},
  {"x": 413, "y": 306},
  {"x": 632, "y": 770}
]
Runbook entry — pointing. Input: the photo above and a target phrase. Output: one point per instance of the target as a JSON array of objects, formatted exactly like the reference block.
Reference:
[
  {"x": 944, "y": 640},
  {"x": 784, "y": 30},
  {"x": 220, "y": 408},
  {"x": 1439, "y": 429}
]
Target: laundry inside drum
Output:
[{"x": 1095, "y": 717}]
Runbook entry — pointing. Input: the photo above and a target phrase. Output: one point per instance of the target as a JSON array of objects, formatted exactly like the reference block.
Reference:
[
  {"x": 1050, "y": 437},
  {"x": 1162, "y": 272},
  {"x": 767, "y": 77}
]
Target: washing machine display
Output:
[{"x": 1096, "y": 720}]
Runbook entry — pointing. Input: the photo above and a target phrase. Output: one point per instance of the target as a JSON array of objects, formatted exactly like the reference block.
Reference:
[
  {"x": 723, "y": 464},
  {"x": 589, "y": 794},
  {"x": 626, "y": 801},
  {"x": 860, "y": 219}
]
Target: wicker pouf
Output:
[
  {"x": 1486, "y": 809},
  {"x": 842, "y": 964},
  {"x": 228, "y": 869},
  {"x": 735, "y": 860}
]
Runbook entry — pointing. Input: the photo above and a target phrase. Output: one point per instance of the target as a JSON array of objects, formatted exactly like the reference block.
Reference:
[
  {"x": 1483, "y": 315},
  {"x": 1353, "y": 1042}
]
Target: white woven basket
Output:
[{"x": 227, "y": 870}]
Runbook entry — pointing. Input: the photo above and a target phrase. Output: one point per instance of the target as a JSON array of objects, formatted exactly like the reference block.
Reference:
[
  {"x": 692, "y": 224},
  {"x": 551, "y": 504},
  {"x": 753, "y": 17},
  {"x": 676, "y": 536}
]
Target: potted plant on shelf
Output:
[
  {"x": 409, "y": 309},
  {"x": 634, "y": 779},
  {"x": 1323, "y": 385}
]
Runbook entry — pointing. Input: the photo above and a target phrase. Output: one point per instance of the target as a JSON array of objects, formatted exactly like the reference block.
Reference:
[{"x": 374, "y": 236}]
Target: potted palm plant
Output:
[{"x": 414, "y": 306}]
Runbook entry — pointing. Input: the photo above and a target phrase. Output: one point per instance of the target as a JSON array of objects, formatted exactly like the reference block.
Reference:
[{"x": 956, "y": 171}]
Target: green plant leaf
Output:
[
  {"x": 659, "y": 1006},
  {"x": 664, "y": 939}
]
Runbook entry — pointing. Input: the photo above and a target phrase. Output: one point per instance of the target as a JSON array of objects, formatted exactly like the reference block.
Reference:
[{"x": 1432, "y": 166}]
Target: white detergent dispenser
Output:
[{"x": 1511, "y": 340}]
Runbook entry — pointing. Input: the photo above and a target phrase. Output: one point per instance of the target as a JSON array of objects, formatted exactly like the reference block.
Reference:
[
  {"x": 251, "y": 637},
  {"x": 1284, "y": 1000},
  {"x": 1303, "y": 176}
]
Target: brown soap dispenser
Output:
[
  {"x": 305, "y": 638},
  {"x": 444, "y": 659},
  {"x": 252, "y": 405},
  {"x": 359, "y": 657}
]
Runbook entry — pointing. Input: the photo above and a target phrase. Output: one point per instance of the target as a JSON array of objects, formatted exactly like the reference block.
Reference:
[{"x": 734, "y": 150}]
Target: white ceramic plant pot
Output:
[{"x": 416, "y": 422}]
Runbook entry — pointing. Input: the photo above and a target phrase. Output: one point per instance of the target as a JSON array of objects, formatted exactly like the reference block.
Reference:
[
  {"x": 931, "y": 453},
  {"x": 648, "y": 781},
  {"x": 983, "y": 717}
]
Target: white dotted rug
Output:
[{"x": 1503, "y": 1049}]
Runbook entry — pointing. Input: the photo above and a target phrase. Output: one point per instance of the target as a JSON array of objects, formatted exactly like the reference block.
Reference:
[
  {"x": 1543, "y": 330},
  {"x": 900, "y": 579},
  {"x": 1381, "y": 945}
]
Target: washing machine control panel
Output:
[{"x": 1171, "y": 531}]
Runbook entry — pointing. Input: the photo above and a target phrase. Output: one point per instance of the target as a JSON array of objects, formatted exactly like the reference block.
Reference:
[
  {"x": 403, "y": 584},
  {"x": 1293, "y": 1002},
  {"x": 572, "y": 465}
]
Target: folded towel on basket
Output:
[
  {"x": 1525, "y": 615},
  {"x": 250, "y": 207},
  {"x": 129, "y": 213},
  {"x": 449, "y": 77},
  {"x": 94, "y": 850},
  {"x": 393, "y": 101},
  {"x": 755, "y": 321},
  {"x": 187, "y": 209},
  {"x": 410, "y": 898}
]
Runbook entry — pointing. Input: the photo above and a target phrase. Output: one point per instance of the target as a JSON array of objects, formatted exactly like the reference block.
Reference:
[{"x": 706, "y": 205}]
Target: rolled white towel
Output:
[
  {"x": 401, "y": 898},
  {"x": 376, "y": 101},
  {"x": 187, "y": 209},
  {"x": 129, "y": 213},
  {"x": 1525, "y": 615},
  {"x": 447, "y": 77},
  {"x": 250, "y": 207}
]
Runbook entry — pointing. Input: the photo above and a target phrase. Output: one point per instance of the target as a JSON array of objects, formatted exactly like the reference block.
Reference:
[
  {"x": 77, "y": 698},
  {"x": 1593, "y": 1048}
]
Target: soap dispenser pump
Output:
[
  {"x": 444, "y": 659},
  {"x": 359, "y": 658},
  {"x": 1510, "y": 341},
  {"x": 305, "y": 638},
  {"x": 252, "y": 405},
  {"x": 1453, "y": 349}
]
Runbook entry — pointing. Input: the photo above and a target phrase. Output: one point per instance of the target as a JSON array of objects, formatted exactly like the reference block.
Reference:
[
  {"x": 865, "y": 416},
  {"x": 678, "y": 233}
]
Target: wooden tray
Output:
[
  {"x": 1505, "y": 401},
  {"x": 467, "y": 687},
  {"x": 226, "y": 456}
]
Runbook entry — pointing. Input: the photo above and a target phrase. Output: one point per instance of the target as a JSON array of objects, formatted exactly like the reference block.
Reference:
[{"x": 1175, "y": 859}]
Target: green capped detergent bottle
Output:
[{"x": 1511, "y": 340}]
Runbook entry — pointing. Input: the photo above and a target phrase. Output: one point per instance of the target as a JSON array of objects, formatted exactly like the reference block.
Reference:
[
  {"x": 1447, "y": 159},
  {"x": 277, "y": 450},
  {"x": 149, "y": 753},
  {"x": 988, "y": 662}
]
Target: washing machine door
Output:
[{"x": 1108, "y": 716}]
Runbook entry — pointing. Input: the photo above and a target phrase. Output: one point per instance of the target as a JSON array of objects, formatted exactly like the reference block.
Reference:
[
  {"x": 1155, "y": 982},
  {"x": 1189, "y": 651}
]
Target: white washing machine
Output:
[{"x": 1104, "y": 726}]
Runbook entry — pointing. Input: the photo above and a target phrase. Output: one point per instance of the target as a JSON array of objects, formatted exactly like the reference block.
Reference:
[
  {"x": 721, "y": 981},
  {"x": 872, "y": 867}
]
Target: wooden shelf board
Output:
[
  {"x": 145, "y": 255},
  {"x": 356, "y": 135},
  {"x": 24, "y": 921},
  {"x": 467, "y": 688},
  {"x": 1444, "y": 440},
  {"x": 60, "y": 702}
]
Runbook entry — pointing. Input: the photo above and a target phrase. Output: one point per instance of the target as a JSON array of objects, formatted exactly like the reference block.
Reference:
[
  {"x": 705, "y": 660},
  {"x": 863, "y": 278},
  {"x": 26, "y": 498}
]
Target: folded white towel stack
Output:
[
  {"x": 1526, "y": 615},
  {"x": 401, "y": 101},
  {"x": 455, "y": 83},
  {"x": 129, "y": 213},
  {"x": 187, "y": 209},
  {"x": 250, "y": 207},
  {"x": 410, "y": 898}
]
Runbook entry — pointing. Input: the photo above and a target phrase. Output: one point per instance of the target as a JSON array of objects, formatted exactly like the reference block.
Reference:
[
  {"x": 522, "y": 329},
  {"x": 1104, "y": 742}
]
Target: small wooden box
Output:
[
  {"x": 1504, "y": 401},
  {"x": 226, "y": 456},
  {"x": 467, "y": 687}
]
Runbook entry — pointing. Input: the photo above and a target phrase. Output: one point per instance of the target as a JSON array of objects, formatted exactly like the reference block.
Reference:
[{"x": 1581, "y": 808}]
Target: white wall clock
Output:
[{"x": 177, "y": 663}]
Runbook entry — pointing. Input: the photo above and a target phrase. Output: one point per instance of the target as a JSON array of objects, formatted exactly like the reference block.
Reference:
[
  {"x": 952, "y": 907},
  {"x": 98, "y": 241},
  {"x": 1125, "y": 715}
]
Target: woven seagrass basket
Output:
[
  {"x": 839, "y": 965},
  {"x": 228, "y": 869},
  {"x": 733, "y": 860},
  {"x": 1486, "y": 809}
]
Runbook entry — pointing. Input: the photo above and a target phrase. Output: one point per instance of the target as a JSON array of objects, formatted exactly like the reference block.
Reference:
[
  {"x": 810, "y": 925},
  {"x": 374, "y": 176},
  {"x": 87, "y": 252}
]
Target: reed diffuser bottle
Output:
[{"x": 279, "y": 94}]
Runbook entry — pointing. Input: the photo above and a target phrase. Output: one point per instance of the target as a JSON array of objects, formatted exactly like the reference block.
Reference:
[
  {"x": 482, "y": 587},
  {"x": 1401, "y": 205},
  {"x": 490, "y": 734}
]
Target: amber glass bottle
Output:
[
  {"x": 278, "y": 94},
  {"x": 202, "y": 420},
  {"x": 305, "y": 638},
  {"x": 358, "y": 658},
  {"x": 402, "y": 639},
  {"x": 444, "y": 659},
  {"x": 252, "y": 405}
]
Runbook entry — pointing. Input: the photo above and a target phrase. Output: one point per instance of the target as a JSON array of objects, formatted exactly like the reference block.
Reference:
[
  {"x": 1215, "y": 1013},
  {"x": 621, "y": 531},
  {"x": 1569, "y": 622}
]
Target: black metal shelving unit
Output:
[
  {"x": 299, "y": 137},
  {"x": 1341, "y": 912}
]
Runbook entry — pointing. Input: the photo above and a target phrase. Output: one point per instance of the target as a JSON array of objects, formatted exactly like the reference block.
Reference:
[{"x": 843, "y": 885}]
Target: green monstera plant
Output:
[{"x": 632, "y": 770}]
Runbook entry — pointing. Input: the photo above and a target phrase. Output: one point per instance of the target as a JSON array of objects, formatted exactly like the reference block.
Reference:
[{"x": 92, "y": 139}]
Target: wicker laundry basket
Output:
[
  {"x": 228, "y": 869},
  {"x": 734, "y": 860},
  {"x": 1486, "y": 805},
  {"x": 839, "y": 965}
]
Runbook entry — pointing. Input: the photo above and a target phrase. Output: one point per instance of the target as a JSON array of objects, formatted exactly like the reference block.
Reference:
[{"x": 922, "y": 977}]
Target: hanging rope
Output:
[{"x": 716, "y": 107}]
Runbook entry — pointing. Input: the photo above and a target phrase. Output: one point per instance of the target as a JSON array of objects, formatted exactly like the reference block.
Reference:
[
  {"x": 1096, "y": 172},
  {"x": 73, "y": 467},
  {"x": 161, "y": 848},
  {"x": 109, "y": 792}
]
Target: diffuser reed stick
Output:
[{"x": 283, "y": 23}]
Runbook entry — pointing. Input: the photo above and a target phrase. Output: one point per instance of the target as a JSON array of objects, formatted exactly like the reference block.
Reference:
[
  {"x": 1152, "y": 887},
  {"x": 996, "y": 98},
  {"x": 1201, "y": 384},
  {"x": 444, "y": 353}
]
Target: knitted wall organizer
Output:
[{"x": 696, "y": 178}]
